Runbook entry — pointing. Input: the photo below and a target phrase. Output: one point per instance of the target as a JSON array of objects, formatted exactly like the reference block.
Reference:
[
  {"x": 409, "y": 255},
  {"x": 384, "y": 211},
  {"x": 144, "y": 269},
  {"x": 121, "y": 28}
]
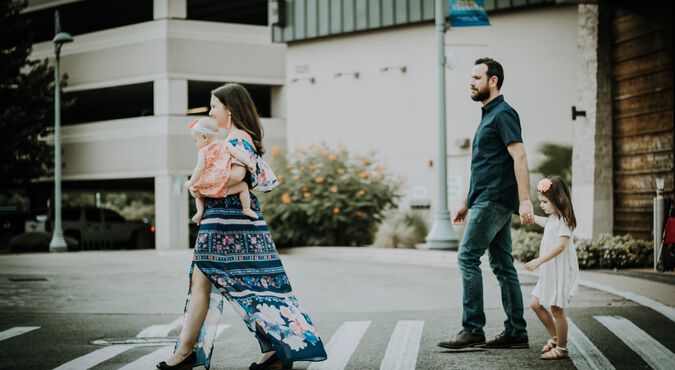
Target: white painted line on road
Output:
[
  {"x": 651, "y": 351},
  {"x": 159, "y": 330},
  {"x": 404, "y": 346},
  {"x": 584, "y": 354},
  {"x": 94, "y": 358},
  {"x": 17, "y": 330},
  {"x": 342, "y": 345},
  {"x": 150, "y": 360},
  {"x": 666, "y": 311}
]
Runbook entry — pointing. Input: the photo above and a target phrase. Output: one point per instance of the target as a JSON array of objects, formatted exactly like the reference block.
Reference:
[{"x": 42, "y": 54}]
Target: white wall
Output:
[{"x": 396, "y": 113}]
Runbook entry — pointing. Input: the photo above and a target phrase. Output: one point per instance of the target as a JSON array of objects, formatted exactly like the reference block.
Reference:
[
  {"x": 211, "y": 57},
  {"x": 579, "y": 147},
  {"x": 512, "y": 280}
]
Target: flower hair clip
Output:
[
  {"x": 192, "y": 123},
  {"x": 544, "y": 185}
]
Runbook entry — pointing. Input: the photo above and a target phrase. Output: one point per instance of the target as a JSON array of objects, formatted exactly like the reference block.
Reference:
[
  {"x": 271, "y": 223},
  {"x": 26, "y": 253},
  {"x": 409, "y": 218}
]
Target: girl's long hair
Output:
[
  {"x": 244, "y": 114},
  {"x": 559, "y": 195}
]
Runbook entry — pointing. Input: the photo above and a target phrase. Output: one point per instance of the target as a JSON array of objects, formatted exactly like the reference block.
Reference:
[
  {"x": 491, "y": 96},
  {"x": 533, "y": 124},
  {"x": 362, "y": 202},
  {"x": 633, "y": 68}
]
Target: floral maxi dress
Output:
[{"x": 238, "y": 256}]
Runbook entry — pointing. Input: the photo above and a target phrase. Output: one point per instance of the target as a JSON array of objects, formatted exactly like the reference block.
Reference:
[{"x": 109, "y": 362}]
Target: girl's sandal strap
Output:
[
  {"x": 557, "y": 353},
  {"x": 550, "y": 344}
]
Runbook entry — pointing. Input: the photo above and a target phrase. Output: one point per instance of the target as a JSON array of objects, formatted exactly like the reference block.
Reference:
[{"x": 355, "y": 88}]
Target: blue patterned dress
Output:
[{"x": 238, "y": 256}]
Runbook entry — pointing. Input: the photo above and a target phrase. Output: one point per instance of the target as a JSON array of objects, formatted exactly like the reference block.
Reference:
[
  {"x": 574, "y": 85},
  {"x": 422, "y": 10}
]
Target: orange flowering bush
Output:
[{"x": 327, "y": 197}]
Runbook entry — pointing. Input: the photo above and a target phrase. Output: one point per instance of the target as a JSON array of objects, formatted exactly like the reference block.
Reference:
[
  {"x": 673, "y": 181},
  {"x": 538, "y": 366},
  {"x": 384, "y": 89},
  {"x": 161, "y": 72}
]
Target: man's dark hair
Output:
[{"x": 494, "y": 69}]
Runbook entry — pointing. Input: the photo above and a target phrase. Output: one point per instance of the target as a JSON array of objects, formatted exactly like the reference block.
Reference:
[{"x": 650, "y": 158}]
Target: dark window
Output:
[
  {"x": 70, "y": 214},
  {"x": 112, "y": 216},
  {"x": 231, "y": 11},
  {"x": 108, "y": 103},
  {"x": 92, "y": 215},
  {"x": 199, "y": 93},
  {"x": 88, "y": 16}
]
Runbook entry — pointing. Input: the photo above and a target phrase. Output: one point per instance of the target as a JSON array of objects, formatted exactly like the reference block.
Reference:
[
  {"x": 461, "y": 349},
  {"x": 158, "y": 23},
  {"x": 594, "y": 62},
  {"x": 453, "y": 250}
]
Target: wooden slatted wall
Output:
[{"x": 642, "y": 94}]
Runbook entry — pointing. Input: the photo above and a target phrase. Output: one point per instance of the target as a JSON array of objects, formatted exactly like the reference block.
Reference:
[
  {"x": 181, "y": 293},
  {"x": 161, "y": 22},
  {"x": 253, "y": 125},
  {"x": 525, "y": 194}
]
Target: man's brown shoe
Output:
[{"x": 463, "y": 339}]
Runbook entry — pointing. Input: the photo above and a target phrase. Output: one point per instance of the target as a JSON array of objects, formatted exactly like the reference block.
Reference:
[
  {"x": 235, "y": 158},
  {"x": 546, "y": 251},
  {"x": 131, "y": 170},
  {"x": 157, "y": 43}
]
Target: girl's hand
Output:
[{"x": 530, "y": 266}]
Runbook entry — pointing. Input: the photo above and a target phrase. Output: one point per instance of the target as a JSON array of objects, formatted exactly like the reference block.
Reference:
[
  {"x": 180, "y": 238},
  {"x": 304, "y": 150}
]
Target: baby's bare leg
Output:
[
  {"x": 241, "y": 188},
  {"x": 199, "y": 203}
]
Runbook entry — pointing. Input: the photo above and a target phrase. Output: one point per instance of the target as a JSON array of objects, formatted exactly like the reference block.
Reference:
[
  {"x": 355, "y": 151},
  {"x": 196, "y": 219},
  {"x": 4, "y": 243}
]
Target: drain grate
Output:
[{"x": 21, "y": 280}]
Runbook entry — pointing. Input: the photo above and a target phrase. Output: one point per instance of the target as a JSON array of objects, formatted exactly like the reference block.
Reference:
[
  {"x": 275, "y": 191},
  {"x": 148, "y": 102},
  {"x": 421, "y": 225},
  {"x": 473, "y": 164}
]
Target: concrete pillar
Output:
[
  {"x": 171, "y": 9},
  {"x": 171, "y": 212},
  {"x": 170, "y": 97},
  {"x": 592, "y": 190}
]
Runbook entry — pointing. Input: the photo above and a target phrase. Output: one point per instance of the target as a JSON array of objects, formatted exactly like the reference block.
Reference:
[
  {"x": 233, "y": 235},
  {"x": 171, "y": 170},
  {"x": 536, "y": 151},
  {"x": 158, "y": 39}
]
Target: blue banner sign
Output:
[{"x": 465, "y": 13}]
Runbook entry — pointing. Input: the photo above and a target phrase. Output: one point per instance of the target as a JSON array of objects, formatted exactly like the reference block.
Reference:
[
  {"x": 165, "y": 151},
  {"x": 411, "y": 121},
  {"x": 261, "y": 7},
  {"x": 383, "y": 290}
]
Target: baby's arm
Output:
[
  {"x": 541, "y": 221},
  {"x": 199, "y": 168},
  {"x": 553, "y": 253}
]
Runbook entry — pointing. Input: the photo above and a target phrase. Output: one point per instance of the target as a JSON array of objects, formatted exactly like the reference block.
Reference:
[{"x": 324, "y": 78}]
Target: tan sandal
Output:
[
  {"x": 550, "y": 344},
  {"x": 557, "y": 353}
]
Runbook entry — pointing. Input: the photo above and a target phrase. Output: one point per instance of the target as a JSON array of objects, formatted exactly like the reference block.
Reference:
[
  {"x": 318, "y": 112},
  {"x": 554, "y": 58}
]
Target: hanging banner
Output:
[{"x": 466, "y": 13}]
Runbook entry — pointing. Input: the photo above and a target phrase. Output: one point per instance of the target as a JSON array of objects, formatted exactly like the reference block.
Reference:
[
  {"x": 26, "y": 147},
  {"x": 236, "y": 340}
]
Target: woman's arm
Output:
[
  {"x": 237, "y": 173},
  {"x": 553, "y": 253}
]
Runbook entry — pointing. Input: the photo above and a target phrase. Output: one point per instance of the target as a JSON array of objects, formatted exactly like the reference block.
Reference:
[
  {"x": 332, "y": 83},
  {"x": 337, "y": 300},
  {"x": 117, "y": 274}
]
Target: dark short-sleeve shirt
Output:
[{"x": 492, "y": 175}]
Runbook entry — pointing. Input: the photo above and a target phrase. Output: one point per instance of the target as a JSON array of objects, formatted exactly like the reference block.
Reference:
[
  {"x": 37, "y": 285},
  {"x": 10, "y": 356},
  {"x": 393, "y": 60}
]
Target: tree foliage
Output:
[
  {"x": 26, "y": 103},
  {"x": 557, "y": 161}
]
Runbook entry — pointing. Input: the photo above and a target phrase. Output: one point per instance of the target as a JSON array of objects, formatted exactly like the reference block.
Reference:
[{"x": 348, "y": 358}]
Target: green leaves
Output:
[
  {"x": 557, "y": 161},
  {"x": 327, "y": 197},
  {"x": 26, "y": 103}
]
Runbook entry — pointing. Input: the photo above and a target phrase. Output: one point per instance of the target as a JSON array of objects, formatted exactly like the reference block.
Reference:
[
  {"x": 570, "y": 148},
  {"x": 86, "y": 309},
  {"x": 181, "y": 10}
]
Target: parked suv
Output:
[{"x": 103, "y": 228}]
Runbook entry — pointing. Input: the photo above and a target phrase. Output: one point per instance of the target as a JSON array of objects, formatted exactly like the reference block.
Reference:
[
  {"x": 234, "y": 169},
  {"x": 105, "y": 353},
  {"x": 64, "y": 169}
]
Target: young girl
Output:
[
  {"x": 558, "y": 265},
  {"x": 214, "y": 164}
]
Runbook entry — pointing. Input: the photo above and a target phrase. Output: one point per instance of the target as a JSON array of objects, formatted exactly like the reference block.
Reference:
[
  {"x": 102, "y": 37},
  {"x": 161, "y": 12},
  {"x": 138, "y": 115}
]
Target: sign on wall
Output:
[{"x": 465, "y": 13}]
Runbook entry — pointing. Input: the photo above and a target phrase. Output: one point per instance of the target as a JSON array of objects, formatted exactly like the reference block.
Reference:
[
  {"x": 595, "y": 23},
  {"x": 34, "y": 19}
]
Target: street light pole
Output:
[
  {"x": 58, "y": 243},
  {"x": 442, "y": 235}
]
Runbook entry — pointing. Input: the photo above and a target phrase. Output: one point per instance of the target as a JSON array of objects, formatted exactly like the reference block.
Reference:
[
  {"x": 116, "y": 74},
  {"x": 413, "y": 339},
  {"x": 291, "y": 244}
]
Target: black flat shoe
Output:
[
  {"x": 187, "y": 363},
  {"x": 272, "y": 363}
]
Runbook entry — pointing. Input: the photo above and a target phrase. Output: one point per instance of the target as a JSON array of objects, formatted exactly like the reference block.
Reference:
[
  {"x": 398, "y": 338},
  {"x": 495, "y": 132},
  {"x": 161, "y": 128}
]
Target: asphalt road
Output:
[{"x": 377, "y": 315}]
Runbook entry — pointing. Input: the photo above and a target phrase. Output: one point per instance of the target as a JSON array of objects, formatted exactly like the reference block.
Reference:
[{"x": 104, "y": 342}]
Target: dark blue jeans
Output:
[{"x": 489, "y": 227}]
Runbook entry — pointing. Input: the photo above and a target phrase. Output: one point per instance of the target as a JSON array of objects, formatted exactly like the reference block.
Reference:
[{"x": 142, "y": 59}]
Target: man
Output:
[{"x": 500, "y": 186}]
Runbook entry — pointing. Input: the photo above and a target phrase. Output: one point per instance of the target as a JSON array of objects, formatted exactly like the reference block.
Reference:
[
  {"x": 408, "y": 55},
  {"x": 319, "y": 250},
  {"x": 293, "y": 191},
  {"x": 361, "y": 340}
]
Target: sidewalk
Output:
[{"x": 657, "y": 295}]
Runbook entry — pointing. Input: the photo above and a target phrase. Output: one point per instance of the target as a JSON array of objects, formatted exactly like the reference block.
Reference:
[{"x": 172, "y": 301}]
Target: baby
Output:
[{"x": 214, "y": 161}]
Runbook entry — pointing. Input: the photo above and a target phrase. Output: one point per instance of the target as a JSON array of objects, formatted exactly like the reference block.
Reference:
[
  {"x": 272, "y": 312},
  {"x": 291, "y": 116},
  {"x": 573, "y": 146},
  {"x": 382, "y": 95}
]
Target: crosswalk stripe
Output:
[
  {"x": 150, "y": 360},
  {"x": 94, "y": 358},
  {"x": 159, "y": 330},
  {"x": 591, "y": 358},
  {"x": 342, "y": 345},
  {"x": 18, "y": 330},
  {"x": 404, "y": 346},
  {"x": 651, "y": 351}
]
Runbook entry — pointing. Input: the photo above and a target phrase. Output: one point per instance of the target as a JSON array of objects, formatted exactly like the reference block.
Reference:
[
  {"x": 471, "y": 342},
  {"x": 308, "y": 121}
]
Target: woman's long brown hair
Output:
[
  {"x": 244, "y": 114},
  {"x": 559, "y": 195}
]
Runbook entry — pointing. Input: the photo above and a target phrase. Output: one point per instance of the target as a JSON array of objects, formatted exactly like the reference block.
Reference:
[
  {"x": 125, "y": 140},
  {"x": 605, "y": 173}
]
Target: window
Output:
[
  {"x": 108, "y": 103},
  {"x": 252, "y": 12},
  {"x": 70, "y": 214},
  {"x": 88, "y": 16},
  {"x": 111, "y": 216},
  {"x": 199, "y": 93},
  {"x": 92, "y": 215}
]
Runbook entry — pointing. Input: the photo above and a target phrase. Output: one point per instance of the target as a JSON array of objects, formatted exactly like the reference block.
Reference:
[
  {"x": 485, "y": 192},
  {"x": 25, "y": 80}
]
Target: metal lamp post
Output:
[
  {"x": 58, "y": 243},
  {"x": 442, "y": 235}
]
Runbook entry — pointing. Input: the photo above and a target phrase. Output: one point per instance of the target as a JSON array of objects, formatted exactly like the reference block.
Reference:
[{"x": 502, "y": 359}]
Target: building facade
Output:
[
  {"x": 136, "y": 71},
  {"x": 364, "y": 74}
]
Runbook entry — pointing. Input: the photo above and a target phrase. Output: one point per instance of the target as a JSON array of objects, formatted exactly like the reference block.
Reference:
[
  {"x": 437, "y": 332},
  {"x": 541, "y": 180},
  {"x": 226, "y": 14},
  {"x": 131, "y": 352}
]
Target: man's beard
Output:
[{"x": 480, "y": 95}]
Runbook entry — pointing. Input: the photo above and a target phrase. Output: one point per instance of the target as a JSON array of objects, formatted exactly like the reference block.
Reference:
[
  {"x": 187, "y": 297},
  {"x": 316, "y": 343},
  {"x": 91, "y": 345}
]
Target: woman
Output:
[{"x": 236, "y": 257}]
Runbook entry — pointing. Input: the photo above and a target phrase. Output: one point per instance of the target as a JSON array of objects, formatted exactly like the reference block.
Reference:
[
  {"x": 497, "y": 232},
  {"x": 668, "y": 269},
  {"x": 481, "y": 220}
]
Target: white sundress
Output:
[{"x": 559, "y": 277}]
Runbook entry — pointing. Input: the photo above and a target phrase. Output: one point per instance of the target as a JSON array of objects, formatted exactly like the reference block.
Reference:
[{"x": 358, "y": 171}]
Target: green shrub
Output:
[
  {"x": 327, "y": 197},
  {"x": 401, "y": 230},
  {"x": 607, "y": 252},
  {"x": 36, "y": 242}
]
